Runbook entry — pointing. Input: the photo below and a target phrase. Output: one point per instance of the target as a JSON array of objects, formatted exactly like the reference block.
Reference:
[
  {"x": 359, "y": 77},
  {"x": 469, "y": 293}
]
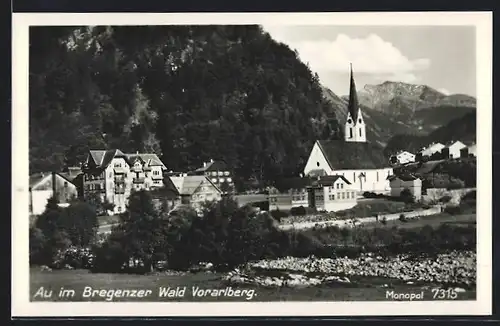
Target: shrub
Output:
[
  {"x": 402, "y": 218},
  {"x": 452, "y": 209},
  {"x": 445, "y": 199},
  {"x": 278, "y": 214},
  {"x": 298, "y": 211},
  {"x": 383, "y": 220},
  {"x": 406, "y": 196}
]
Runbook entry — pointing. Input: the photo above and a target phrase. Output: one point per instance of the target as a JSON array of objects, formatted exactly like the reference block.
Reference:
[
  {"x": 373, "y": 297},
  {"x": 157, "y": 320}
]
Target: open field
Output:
[{"x": 369, "y": 289}]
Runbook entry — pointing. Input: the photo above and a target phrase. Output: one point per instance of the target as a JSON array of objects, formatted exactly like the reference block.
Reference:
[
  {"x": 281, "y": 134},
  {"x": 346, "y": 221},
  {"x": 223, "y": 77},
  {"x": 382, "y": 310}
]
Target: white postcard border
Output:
[{"x": 21, "y": 305}]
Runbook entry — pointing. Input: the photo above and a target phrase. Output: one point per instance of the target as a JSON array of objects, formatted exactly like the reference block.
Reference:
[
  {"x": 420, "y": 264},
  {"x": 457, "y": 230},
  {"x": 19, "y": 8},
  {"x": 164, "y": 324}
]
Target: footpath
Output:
[{"x": 359, "y": 220}]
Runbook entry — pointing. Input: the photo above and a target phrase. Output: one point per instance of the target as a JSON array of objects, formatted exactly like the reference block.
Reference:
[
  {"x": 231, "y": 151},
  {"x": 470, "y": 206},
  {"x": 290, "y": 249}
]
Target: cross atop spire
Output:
[{"x": 353, "y": 105}]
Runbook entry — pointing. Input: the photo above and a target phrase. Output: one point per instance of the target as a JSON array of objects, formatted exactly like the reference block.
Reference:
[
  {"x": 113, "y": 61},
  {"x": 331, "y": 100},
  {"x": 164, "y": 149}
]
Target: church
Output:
[{"x": 362, "y": 163}]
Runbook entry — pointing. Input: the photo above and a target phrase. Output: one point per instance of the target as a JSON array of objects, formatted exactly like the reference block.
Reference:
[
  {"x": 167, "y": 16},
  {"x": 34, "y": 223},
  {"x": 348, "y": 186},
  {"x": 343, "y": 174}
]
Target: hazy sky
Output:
[{"x": 442, "y": 57}]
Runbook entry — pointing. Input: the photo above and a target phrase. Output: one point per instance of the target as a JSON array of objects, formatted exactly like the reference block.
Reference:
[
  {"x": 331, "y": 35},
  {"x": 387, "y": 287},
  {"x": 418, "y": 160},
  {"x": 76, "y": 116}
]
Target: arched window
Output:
[
  {"x": 350, "y": 132},
  {"x": 360, "y": 135}
]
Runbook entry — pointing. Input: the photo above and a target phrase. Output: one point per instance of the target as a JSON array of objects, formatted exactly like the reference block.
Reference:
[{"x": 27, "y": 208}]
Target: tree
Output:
[
  {"x": 406, "y": 196},
  {"x": 143, "y": 230},
  {"x": 80, "y": 222}
]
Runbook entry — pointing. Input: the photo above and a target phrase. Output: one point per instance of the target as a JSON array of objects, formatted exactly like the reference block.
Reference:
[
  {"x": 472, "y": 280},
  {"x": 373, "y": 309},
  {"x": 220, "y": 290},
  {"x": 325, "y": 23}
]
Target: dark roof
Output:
[
  {"x": 342, "y": 155},
  {"x": 293, "y": 183},
  {"x": 217, "y": 165},
  {"x": 353, "y": 105},
  {"x": 330, "y": 179},
  {"x": 404, "y": 177}
]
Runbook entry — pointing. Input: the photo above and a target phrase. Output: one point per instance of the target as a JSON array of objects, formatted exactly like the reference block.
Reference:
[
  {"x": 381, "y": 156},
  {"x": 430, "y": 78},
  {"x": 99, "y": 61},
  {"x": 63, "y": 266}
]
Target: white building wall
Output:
[
  {"x": 455, "y": 149},
  {"x": 415, "y": 187},
  {"x": 39, "y": 199},
  {"x": 317, "y": 161},
  {"x": 376, "y": 180}
]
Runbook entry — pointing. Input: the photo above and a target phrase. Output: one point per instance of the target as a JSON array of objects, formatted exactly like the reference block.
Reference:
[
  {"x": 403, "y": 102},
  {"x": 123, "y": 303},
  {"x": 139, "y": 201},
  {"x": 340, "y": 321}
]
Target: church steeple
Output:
[
  {"x": 353, "y": 106},
  {"x": 355, "y": 130}
]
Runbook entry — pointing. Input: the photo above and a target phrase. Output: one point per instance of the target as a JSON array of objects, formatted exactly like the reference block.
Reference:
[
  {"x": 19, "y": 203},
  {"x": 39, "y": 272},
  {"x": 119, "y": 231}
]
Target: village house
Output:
[
  {"x": 195, "y": 190},
  {"x": 402, "y": 157},
  {"x": 112, "y": 175},
  {"x": 219, "y": 174},
  {"x": 289, "y": 193},
  {"x": 468, "y": 151},
  {"x": 43, "y": 186},
  {"x": 406, "y": 181},
  {"x": 360, "y": 162},
  {"x": 452, "y": 149},
  {"x": 433, "y": 148},
  {"x": 332, "y": 193}
]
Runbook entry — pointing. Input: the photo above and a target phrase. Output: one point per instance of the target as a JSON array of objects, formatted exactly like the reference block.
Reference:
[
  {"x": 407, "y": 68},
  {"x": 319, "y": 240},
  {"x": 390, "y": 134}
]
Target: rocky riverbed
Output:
[{"x": 452, "y": 269}]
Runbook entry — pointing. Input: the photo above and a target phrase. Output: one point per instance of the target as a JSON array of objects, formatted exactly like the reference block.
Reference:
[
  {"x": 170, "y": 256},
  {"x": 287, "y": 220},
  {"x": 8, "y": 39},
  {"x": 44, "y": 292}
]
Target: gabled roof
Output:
[
  {"x": 150, "y": 159},
  {"x": 217, "y": 165},
  {"x": 293, "y": 183},
  {"x": 404, "y": 177},
  {"x": 330, "y": 180},
  {"x": 102, "y": 158},
  {"x": 187, "y": 185},
  {"x": 342, "y": 155},
  {"x": 36, "y": 178}
]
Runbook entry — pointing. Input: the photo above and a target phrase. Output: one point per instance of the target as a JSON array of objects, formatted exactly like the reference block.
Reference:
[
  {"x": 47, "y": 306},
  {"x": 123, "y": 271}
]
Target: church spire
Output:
[{"x": 353, "y": 106}]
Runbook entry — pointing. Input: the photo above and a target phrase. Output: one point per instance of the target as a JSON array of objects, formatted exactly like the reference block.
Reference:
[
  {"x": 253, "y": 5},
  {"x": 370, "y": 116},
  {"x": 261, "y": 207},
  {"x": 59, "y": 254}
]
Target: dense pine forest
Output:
[{"x": 187, "y": 93}]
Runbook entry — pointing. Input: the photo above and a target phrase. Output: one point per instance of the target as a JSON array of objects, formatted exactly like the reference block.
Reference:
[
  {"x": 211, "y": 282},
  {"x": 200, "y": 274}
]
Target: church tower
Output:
[{"x": 355, "y": 129}]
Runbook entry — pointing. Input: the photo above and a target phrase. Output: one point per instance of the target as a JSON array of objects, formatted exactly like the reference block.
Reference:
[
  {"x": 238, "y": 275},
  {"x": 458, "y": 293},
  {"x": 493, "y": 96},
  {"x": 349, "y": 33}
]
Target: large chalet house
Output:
[
  {"x": 360, "y": 162},
  {"x": 112, "y": 175}
]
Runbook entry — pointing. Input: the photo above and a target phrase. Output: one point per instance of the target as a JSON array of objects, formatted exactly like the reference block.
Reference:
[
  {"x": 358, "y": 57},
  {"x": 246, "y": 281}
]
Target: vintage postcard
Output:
[{"x": 252, "y": 164}]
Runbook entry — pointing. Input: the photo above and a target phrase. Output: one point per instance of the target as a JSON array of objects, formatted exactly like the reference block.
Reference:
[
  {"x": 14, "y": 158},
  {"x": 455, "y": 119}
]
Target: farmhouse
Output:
[
  {"x": 431, "y": 149},
  {"x": 219, "y": 173},
  {"x": 362, "y": 163},
  {"x": 43, "y": 186},
  {"x": 452, "y": 150},
  {"x": 402, "y": 157},
  {"x": 332, "y": 193},
  {"x": 468, "y": 151},
  {"x": 406, "y": 181},
  {"x": 194, "y": 190}
]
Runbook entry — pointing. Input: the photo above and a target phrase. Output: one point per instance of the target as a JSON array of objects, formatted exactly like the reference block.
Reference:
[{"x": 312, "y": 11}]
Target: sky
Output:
[{"x": 442, "y": 57}]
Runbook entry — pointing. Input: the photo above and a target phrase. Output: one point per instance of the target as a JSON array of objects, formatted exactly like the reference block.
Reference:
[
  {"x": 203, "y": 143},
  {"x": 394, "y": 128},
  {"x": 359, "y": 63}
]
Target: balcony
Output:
[{"x": 138, "y": 180}]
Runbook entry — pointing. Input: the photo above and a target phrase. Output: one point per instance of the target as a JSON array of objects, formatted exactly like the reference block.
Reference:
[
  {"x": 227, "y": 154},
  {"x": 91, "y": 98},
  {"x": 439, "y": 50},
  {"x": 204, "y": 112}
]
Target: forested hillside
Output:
[{"x": 187, "y": 93}]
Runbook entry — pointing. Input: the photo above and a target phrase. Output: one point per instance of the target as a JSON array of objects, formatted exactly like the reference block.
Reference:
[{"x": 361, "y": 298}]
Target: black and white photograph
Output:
[{"x": 267, "y": 164}]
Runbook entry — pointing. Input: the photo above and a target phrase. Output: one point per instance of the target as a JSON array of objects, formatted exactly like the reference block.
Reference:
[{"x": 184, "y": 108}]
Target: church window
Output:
[
  {"x": 350, "y": 132},
  {"x": 349, "y": 121},
  {"x": 377, "y": 176},
  {"x": 354, "y": 176},
  {"x": 317, "y": 164},
  {"x": 360, "y": 120},
  {"x": 360, "y": 135}
]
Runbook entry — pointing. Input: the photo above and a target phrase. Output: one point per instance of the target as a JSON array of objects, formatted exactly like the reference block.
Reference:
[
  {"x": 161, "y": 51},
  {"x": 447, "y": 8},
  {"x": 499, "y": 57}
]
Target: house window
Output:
[
  {"x": 343, "y": 195},
  {"x": 156, "y": 172},
  {"x": 66, "y": 184},
  {"x": 341, "y": 186},
  {"x": 350, "y": 132},
  {"x": 118, "y": 165}
]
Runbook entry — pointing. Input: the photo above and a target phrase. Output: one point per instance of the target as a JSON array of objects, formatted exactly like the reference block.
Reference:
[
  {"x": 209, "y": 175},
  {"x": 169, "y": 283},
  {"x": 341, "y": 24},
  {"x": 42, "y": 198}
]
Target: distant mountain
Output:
[
  {"x": 393, "y": 108},
  {"x": 463, "y": 129},
  {"x": 402, "y": 98}
]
